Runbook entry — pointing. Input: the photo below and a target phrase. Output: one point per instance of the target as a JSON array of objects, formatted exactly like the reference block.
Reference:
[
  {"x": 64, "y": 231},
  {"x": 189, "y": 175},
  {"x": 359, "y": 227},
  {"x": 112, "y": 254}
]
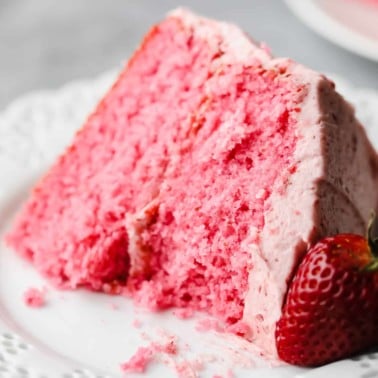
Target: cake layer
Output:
[
  {"x": 73, "y": 227},
  {"x": 201, "y": 179},
  {"x": 211, "y": 203}
]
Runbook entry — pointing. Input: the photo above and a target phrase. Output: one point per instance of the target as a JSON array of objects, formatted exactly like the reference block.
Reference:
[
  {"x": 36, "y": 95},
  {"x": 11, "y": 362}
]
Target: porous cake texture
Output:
[{"x": 201, "y": 179}]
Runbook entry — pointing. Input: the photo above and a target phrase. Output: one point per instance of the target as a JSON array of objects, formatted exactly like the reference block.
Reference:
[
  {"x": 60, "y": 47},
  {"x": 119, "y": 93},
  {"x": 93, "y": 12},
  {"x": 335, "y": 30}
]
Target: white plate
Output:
[
  {"x": 352, "y": 24},
  {"x": 87, "y": 335}
]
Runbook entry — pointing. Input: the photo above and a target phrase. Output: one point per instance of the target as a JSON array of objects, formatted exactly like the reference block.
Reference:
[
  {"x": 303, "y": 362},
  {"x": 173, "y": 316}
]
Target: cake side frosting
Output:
[
  {"x": 223, "y": 36},
  {"x": 290, "y": 219},
  {"x": 332, "y": 190}
]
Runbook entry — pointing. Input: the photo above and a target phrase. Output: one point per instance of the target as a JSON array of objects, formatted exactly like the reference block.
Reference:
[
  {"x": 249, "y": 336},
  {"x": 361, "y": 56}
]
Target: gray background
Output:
[{"x": 45, "y": 43}]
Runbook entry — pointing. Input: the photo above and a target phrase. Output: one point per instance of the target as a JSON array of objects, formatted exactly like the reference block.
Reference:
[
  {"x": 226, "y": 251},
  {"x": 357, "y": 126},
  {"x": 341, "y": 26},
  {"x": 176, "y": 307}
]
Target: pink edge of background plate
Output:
[{"x": 347, "y": 23}]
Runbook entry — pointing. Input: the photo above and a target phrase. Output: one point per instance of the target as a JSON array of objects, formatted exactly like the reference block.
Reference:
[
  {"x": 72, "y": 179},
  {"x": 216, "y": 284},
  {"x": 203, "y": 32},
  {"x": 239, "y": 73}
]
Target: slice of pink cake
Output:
[{"x": 202, "y": 178}]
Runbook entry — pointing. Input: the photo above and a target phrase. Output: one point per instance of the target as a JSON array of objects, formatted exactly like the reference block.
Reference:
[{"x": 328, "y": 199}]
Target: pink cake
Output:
[{"x": 201, "y": 179}]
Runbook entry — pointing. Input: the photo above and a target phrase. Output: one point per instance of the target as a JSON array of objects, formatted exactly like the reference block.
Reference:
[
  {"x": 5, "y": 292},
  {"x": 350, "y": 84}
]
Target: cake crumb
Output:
[
  {"x": 262, "y": 194},
  {"x": 184, "y": 369},
  {"x": 114, "y": 306},
  {"x": 241, "y": 329},
  {"x": 229, "y": 374},
  {"x": 139, "y": 362},
  {"x": 113, "y": 288},
  {"x": 198, "y": 364},
  {"x": 205, "y": 325},
  {"x": 35, "y": 297},
  {"x": 183, "y": 313},
  {"x": 170, "y": 347},
  {"x": 137, "y": 323}
]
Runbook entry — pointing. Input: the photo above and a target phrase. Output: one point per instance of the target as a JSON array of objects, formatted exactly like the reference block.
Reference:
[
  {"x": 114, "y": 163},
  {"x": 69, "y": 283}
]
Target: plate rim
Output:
[{"x": 310, "y": 13}]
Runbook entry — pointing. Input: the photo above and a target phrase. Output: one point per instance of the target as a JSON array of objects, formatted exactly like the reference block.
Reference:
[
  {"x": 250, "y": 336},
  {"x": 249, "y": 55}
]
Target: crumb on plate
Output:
[
  {"x": 35, "y": 298},
  {"x": 183, "y": 313},
  {"x": 139, "y": 362}
]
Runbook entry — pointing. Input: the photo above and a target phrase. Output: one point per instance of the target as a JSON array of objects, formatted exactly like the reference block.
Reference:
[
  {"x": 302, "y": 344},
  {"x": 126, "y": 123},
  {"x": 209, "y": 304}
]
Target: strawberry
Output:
[{"x": 331, "y": 307}]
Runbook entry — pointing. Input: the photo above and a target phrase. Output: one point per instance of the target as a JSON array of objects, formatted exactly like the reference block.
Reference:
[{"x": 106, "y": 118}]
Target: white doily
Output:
[{"x": 33, "y": 130}]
